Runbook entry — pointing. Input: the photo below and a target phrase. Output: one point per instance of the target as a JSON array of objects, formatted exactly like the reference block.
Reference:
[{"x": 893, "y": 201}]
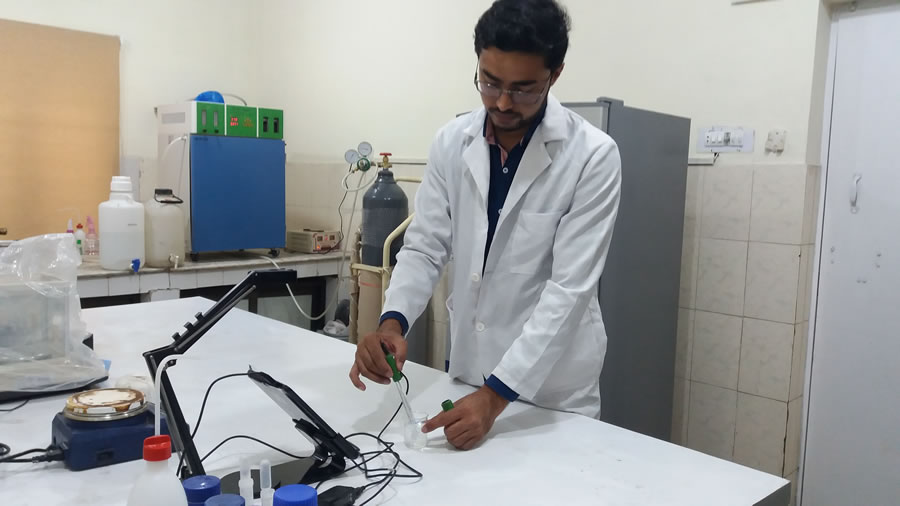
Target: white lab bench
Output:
[
  {"x": 211, "y": 276},
  {"x": 532, "y": 455}
]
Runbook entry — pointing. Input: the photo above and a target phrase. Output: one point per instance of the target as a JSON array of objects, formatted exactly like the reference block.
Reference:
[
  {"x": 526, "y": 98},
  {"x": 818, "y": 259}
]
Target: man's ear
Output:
[{"x": 556, "y": 73}]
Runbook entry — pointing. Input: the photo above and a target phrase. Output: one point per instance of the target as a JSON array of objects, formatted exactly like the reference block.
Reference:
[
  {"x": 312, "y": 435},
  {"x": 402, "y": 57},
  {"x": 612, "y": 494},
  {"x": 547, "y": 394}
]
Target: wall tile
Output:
[
  {"x": 693, "y": 193},
  {"x": 716, "y": 349},
  {"x": 680, "y": 409},
  {"x": 297, "y": 187},
  {"x": 683, "y": 343},
  {"x": 726, "y": 203},
  {"x": 766, "y": 349},
  {"x": 798, "y": 360},
  {"x": 773, "y": 272},
  {"x": 776, "y": 213},
  {"x": 690, "y": 254},
  {"x": 722, "y": 267},
  {"x": 803, "y": 288},
  {"x": 811, "y": 204},
  {"x": 792, "y": 438},
  {"x": 295, "y": 217},
  {"x": 711, "y": 421},
  {"x": 760, "y": 432},
  {"x": 690, "y": 248}
]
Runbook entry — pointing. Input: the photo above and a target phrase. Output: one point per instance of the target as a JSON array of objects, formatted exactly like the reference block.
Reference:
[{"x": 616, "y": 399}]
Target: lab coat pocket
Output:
[{"x": 531, "y": 242}]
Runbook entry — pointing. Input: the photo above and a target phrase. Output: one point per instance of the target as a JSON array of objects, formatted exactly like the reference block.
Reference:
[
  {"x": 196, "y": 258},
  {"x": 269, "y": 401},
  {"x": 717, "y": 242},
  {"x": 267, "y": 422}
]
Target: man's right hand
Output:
[{"x": 370, "y": 360}]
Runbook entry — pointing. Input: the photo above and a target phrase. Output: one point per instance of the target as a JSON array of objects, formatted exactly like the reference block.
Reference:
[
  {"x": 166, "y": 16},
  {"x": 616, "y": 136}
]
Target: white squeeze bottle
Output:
[{"x": 157, "y": 485}]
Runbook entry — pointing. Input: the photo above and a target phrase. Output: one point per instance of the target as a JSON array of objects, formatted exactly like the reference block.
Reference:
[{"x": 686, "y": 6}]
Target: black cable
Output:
[
  {"x": 200, "y": 416},
  {"x": 395, "y": 412},
  {"x": 49, "y": 454},
  {"x": 386, "y": 483},
  {"x": 10, "y": 410},
  {"x": 385, "y": 476},
  {"x": 251, "y": 438}
]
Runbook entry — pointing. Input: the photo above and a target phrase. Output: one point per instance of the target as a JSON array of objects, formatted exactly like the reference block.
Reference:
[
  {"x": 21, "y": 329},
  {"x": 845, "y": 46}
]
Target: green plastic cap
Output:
[
  {"x": 393, "y": 363},
  {"x": 447, "y": 405}
]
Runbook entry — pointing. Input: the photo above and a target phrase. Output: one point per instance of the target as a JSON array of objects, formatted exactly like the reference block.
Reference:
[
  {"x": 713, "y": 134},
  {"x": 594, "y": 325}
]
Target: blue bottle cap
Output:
[
  {"x": 200, "y": 488},
  {"x": 296, "y": 495},
  {"x": 225, "y": 500}
]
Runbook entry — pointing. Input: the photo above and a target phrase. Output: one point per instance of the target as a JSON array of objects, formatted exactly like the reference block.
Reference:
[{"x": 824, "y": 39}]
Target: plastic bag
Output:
[{"x": 41, "y": 332}]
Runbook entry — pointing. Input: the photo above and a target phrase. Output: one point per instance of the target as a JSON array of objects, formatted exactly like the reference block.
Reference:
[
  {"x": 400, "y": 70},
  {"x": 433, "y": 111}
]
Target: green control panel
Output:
[
  {"x": 240, "y": 121},
  {"x": 210, "y": 118},
  {"x": 270, "y": 123}
]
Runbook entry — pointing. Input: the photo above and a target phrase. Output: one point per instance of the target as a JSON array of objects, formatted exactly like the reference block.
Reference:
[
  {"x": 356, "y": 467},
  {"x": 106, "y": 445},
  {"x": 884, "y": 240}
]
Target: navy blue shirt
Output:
[{"x": 503, "y": 171}]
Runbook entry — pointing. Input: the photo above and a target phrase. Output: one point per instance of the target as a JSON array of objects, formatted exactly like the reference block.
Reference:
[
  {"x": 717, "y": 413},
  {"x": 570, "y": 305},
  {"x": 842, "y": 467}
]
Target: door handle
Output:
[{"x": 854, "y": 193}]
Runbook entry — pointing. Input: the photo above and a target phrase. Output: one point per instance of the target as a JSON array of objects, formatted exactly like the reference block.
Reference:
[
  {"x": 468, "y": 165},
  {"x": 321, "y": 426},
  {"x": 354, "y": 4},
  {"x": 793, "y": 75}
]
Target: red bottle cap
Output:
[{"x": 157, "y": 448}]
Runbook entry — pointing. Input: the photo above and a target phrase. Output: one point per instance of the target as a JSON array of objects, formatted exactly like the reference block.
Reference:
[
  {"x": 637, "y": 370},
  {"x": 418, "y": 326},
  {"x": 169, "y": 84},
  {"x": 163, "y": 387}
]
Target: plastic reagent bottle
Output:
[
  {"x": 266, "y": 492},
  {"x": 226, "y": 500},
  {"x": 157, "y": 484},
  {"x": 79, "y": 238},
  {"x": 200, "y": 488},
  {"x": 91, "y": 243},
  {"x": 245, "y": 484},
  {"x": 296, "y": 495}
]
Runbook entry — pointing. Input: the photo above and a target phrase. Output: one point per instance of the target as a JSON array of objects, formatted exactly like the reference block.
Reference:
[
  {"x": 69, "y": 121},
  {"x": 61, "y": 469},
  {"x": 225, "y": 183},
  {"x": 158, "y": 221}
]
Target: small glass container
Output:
[{"x": 413, "y": 437}]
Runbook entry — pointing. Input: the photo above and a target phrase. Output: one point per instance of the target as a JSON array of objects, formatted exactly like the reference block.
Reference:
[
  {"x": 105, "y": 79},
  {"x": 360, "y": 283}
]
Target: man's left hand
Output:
[{"x": 470, "y": 419}]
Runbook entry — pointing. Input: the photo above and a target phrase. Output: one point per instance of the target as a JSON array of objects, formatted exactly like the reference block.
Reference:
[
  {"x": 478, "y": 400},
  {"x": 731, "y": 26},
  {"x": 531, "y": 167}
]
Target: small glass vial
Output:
[{"x": 413, "y": 437}]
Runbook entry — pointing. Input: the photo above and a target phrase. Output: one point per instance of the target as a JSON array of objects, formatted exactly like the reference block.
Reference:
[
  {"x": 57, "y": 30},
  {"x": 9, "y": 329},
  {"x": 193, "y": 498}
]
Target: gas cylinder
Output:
[{"x": 385, "y": 207}]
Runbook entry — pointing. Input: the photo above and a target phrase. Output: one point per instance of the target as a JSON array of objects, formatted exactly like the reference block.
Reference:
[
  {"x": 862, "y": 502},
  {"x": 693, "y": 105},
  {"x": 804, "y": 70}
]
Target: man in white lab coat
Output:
[{"x": 523, "y": 195}]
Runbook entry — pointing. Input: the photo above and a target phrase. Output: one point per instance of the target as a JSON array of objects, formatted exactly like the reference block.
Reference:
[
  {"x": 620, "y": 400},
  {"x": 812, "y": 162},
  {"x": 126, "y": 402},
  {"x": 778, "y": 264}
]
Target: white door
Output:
[{"x": 852, "y": 449}]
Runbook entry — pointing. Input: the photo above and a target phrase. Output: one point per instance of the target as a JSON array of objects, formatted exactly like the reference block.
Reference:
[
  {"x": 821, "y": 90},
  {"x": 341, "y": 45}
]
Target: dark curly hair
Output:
[{"x": 530, "y": 26}]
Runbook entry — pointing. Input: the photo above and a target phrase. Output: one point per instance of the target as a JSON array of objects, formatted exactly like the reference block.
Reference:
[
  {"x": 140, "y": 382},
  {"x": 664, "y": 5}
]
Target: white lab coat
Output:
[{"x": 529, "y": 314}]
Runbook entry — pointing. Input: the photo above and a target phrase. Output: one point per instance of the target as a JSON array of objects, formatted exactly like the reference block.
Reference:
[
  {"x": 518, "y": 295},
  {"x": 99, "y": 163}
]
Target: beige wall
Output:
[{"x": 394, "y": 71}]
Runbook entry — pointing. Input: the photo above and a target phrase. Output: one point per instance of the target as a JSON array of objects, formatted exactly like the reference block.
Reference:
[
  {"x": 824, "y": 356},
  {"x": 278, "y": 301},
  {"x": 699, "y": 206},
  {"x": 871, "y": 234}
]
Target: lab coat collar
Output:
[{"x": 535, "y": 160}]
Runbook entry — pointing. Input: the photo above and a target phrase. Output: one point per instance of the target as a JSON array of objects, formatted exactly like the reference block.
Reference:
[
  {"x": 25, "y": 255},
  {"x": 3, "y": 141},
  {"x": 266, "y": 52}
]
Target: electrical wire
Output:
[
  {"x": 162, "y": 158},
  {"x": 17, "y": 406},
  {"x": 4, "y": 448},
  {"x": 202, "y": 409},
  {"x": 337, "y": 290},
  {"x": 251, "y": 438},
  {"x": 48, "y": 454},
  {"x": 382, "y": 475}
]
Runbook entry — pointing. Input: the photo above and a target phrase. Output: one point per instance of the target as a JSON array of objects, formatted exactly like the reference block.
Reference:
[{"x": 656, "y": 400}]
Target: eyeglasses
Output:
[{"x": 516, "y": 96}]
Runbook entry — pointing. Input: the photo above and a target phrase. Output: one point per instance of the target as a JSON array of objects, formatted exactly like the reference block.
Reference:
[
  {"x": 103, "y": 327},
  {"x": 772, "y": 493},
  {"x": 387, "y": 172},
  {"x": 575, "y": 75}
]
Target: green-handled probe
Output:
[{"x": 397, "y": 376}]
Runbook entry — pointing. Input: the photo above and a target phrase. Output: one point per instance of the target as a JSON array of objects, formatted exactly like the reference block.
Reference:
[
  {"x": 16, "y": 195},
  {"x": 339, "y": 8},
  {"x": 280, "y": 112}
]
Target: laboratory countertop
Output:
[
  {"x": 214, "y": 261},
  {"x": 532, "y": 455}
]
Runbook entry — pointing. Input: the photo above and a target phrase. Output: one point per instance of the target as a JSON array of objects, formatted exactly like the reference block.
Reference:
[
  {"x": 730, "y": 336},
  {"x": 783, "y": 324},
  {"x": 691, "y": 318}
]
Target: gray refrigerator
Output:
[{"x": 640, "y": 283}]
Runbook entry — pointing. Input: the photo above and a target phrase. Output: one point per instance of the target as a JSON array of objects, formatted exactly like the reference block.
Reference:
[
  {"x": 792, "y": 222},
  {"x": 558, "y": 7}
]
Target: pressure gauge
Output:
[
  {"x": 351, "y": 156},
  {"x": 365, "y": 149}
]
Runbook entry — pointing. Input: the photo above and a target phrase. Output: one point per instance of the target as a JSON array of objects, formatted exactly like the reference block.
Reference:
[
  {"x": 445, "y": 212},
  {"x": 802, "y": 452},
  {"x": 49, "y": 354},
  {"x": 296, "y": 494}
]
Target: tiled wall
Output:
[{"x": 744, "y": 306}]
